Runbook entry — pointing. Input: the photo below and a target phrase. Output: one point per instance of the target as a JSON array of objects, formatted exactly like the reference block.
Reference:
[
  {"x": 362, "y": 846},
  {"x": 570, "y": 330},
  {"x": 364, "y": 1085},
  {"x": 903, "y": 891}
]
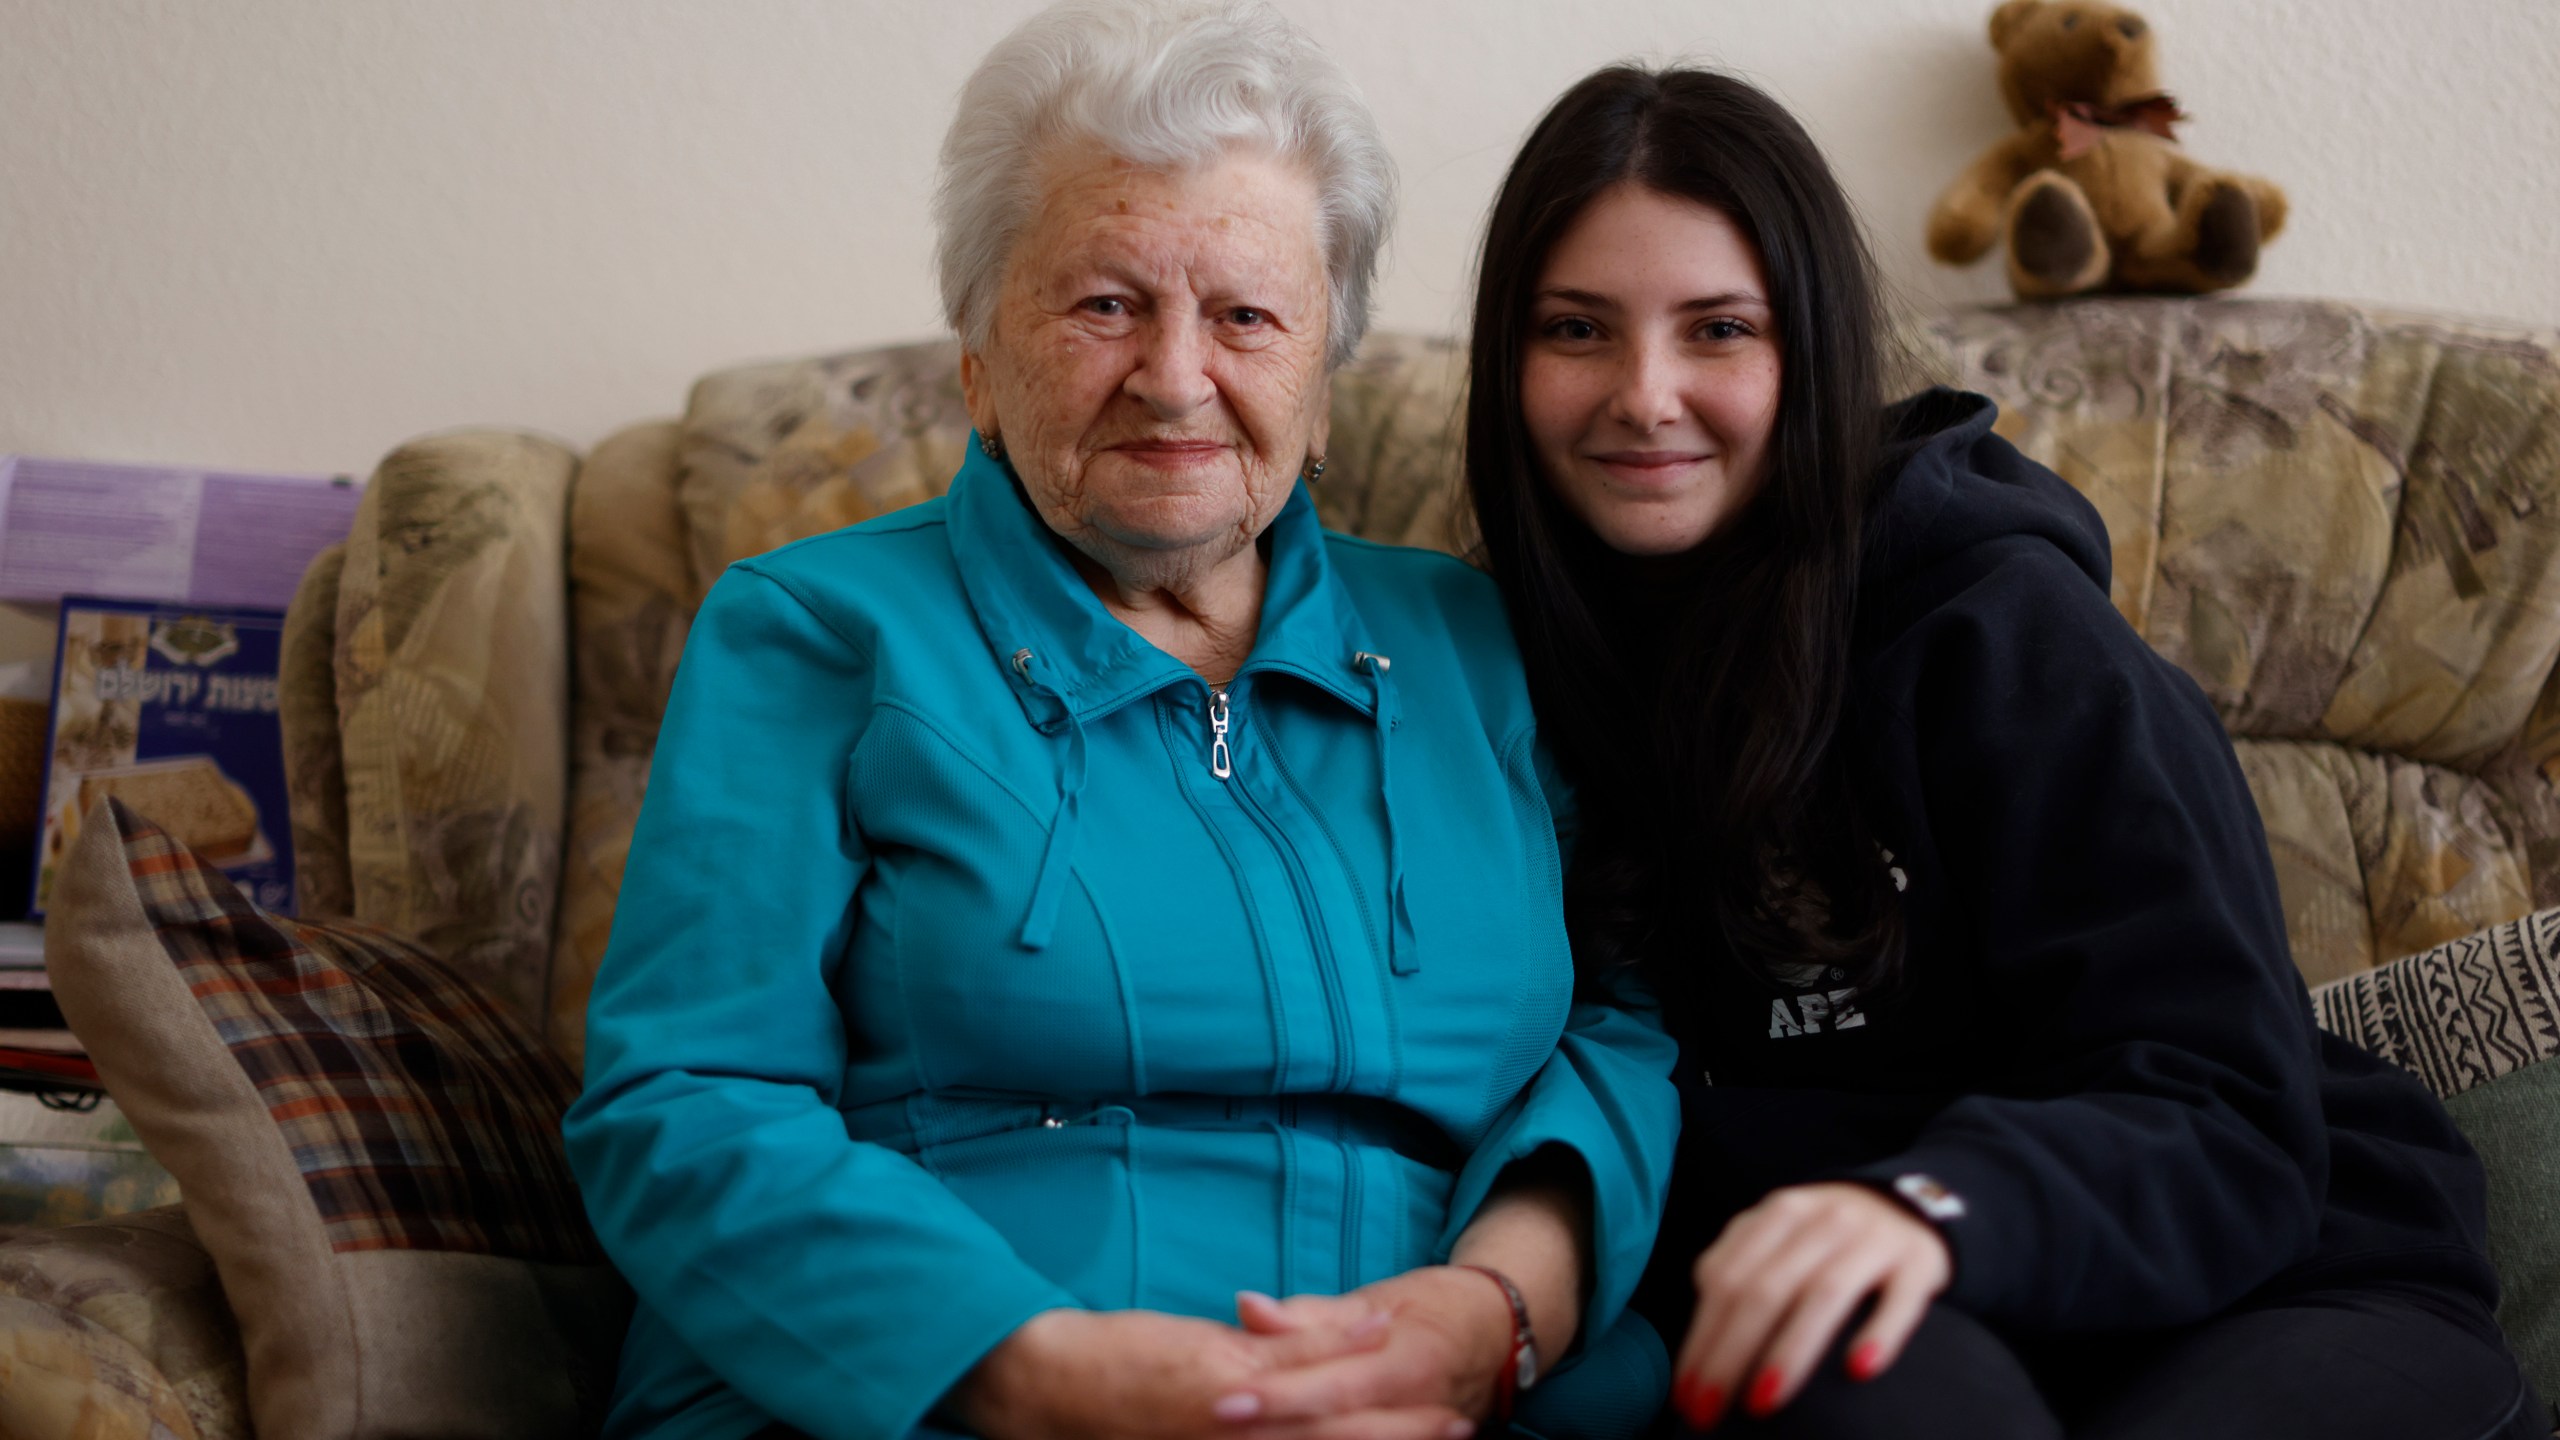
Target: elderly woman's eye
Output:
[
  {"x": 1247, "y": 315},
  {"x": 1106, "y": 305}
]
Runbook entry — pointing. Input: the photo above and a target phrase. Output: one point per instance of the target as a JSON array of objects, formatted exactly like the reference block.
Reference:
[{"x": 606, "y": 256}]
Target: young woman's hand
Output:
[
  {"x": 1145, "y": 1375},
  {"x": 1786, "y": 1274}
]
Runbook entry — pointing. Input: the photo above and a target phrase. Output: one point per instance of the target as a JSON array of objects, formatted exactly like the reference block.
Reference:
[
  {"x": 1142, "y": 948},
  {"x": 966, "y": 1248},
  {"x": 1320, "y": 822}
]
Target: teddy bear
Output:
[{"x": 2092, "y": 191}]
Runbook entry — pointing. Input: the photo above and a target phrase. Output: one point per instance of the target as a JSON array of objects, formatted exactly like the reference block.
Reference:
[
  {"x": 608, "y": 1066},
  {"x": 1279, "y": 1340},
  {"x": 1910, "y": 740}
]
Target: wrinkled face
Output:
[
  {"x": 1156, "y": 366},
  {"x": 1649, "y": 384}
]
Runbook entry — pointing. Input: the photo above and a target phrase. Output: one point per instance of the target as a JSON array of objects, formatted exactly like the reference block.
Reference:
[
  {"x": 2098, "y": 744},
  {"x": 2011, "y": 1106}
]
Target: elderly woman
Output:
[{"x": 1073, "y": 912}]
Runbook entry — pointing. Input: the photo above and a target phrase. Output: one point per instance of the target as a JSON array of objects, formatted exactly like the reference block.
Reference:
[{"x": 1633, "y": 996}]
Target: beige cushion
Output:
[
  {"x": 2377, "y": 856},
  {"x": 1391, "y": 463},
  {"x": 452, "y": 679},
  {"x": 2346, "y": 526},
  {"x": 112, "y": 1292},
  {"x": 63, "y": 1376},
  {"x": 369, "y": 1147},
  {"x": 772, "y": 453}
]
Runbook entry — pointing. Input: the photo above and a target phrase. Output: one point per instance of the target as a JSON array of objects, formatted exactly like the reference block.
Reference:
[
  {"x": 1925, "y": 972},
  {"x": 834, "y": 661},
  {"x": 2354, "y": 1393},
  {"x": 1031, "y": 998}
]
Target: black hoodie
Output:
[{"x": 2099, "y": 1074}]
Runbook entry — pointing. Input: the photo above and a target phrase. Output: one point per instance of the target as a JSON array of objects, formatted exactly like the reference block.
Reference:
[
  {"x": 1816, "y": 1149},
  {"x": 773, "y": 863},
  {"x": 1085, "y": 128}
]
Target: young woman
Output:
[{"x": 2006, "y": 1115}]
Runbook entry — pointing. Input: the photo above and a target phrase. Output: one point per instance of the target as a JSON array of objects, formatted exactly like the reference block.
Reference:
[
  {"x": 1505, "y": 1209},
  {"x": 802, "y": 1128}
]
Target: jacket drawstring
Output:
[
  {"x": 1049, "y": 890},
  {"x": 1404, "y": 956}
]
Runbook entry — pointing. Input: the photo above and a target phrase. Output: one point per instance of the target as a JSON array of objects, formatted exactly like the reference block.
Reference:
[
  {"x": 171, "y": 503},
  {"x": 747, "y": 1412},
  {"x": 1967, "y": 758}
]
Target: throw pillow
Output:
[
  {"x": 2478, "y": 1019},
  {"x": 368, "y": 1145}
]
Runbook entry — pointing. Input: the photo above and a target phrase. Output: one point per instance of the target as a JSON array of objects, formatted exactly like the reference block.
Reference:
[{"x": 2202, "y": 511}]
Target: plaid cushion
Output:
[
  {"x": 420, "y": 1115},
  {"x": 368, "y": 1144},
  {"x": 2462, "y": 1014}
]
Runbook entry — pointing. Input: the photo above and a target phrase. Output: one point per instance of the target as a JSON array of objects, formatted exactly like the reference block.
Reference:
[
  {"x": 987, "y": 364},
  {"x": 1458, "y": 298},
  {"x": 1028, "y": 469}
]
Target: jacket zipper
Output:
[{"x": 1221, "y": 760}]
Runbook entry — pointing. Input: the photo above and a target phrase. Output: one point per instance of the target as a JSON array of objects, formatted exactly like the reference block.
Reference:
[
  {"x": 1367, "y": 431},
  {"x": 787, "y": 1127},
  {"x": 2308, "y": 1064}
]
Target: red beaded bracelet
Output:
[{"x": 1520, "y": 1363}]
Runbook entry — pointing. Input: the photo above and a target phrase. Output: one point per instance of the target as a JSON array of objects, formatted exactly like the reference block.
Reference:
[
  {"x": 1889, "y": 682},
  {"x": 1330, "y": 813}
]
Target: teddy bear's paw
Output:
[
  {"x": 2055, "y": 246},
  {"x": 2227, "y": 235}
]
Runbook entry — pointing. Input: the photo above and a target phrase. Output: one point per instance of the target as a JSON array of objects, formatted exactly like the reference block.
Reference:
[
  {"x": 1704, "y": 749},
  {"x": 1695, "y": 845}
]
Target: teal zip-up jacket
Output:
[{"x": 974, "y": 959}]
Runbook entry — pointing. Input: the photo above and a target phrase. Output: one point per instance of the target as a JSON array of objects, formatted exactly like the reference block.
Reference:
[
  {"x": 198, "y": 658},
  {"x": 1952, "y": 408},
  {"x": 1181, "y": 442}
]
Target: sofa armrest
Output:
[
  {"x": 111, "y": 1328},
  {"x": 450, "y": 666}
]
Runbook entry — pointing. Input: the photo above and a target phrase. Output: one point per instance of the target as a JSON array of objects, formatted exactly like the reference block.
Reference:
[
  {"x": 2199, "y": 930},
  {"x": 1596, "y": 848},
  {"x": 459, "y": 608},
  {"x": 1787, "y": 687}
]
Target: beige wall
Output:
[{"x": 289, "y": 233}]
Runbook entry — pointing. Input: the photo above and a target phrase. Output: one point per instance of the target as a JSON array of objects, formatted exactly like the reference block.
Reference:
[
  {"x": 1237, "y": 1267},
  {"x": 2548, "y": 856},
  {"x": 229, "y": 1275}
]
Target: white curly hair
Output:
[{"x": 1168, "y": 86}]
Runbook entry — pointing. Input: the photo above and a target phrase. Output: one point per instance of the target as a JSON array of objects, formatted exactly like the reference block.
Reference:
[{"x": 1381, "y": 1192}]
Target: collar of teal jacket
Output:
[
  {"x": 1068, "y": 654},
  {"x": 1070, "y": 661}
]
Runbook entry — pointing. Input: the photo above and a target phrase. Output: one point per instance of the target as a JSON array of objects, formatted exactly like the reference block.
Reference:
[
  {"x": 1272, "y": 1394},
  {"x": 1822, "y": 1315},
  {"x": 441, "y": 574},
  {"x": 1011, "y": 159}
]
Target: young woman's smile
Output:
[{"x": 1650, "y": 380}]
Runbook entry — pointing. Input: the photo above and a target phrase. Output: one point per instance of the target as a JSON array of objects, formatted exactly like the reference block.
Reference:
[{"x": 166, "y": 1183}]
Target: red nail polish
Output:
[
  {"x": 1866, "y": 1361},
  {"x": 1764, "y": 1393},
  {"x": 1701, "y": 1404}
]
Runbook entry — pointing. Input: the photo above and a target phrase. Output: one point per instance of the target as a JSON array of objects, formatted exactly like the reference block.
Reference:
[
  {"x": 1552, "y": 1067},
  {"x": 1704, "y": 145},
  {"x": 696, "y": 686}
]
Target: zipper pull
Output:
[{"x": 1221, "y": 762}]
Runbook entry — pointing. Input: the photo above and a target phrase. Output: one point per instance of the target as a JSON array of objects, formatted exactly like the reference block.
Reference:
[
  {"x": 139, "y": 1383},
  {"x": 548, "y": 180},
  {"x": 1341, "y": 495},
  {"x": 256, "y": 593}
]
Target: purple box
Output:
[{"x": 147, "y": 532}]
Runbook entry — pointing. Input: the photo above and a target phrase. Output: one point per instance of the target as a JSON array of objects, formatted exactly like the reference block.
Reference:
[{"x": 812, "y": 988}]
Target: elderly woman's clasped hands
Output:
[
  {"x": 1416, "y": 1356},
  {"x": 1315, "y": 1366}
]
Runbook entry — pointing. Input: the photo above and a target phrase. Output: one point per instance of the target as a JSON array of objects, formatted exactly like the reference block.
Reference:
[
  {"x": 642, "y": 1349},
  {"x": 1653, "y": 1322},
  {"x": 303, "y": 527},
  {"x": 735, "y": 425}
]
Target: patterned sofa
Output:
[{"x": 2343, "y": 523}]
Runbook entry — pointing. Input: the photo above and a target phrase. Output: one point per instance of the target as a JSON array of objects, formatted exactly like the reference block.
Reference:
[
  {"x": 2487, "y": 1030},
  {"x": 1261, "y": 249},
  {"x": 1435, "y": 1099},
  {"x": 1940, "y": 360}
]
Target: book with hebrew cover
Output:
[{"x": 171, "y": 709}]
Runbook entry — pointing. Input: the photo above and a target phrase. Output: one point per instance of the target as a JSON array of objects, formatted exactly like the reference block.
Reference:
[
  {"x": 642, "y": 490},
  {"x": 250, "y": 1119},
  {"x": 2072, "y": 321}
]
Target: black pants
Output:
[{"x": 2354, "y": 1365}]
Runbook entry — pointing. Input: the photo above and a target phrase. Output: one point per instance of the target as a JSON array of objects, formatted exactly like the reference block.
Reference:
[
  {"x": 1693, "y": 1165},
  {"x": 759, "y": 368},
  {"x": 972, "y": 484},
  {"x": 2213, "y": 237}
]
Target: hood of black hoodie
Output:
[{"x": 1961, "y": 497}]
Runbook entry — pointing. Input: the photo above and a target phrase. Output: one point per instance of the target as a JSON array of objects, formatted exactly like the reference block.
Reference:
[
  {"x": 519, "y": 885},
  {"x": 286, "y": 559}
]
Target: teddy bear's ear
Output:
[{"x": 2006, "y": 20}]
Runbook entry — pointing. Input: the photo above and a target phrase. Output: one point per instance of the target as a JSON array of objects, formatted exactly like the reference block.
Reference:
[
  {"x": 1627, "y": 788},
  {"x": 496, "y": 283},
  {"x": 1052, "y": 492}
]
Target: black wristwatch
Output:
[{"x": 1520, "y": 1369}]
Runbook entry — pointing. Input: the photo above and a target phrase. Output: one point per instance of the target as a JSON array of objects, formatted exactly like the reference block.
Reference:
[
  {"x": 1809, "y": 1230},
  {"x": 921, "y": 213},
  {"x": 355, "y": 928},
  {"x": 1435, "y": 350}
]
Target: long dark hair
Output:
[{"x": 1699, "y": 707}]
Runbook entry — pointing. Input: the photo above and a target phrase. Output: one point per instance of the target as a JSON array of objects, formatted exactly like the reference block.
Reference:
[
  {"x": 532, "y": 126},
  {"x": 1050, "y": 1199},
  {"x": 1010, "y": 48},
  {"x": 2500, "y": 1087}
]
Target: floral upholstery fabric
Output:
[
  {"x": 2344, "y": 525},
  {"x": 773, "y": 453},
  {"x": 117, "y": 1328},
  {"x": 2380, "y": 856},
  {"x": 451, "y": 672},
  {"x": 1391, "y": 464},
  {"x": 65, "y": 1377},
  {"x": 315, "y": 772},
  {"x": 631, "y": 599}
]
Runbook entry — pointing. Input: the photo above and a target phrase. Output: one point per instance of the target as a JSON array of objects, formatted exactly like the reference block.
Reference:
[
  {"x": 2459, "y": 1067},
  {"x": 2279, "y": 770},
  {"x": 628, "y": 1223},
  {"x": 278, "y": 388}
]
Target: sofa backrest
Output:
[{"x": 2341, "y": 522}]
